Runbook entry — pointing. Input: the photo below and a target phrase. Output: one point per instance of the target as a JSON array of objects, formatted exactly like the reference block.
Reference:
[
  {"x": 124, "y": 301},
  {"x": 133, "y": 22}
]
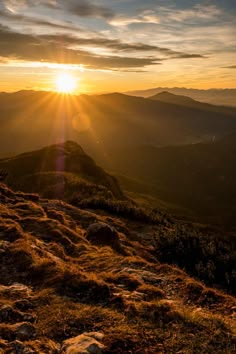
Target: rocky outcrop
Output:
[{"x": 87, "y": 343}]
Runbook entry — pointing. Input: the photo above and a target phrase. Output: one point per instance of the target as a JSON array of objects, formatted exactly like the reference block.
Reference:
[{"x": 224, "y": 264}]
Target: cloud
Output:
[
  {"x": 15, "y": 5},
  {"x": 147, "y": 16},
  {"x": 116, "y": 45},
  {"x": 82, "y": 8},
  {"x": 53, "y": 49},
  {"x": 230, "y": 67},
  {"x": 27, "y": 20},
  {"x": 164, "y": 14},
  {"x": 197, "y": 12},
  {"x": 86, "y": 8},
  {"x": 72, "y": 42}
]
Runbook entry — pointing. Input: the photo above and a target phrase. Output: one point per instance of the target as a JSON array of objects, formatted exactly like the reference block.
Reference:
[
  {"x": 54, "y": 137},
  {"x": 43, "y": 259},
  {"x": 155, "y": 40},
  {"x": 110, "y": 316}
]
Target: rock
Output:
[
  {"x": 15, "y": 290},
  {"x": 23, "y": 304},
  {"x": 4, "y": 245},
  {"x": 6, "y": 313},
  {"x": 9, "y": 314},
  {"x": 17, "y": 347},
  {"x": 87, "y": 343},
  {"x": 102, "y": 234},
  {"x": 24, "y": 331}
]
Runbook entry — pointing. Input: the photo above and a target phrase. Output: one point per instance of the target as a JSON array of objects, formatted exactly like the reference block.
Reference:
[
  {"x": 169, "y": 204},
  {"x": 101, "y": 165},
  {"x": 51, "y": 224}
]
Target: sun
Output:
[{"x": 66, "y": 83}]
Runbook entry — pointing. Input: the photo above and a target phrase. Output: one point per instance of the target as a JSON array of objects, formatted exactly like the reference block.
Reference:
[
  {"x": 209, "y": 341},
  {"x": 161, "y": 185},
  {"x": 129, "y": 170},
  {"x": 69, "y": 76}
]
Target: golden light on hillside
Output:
[{"x": 66, "y": 83}]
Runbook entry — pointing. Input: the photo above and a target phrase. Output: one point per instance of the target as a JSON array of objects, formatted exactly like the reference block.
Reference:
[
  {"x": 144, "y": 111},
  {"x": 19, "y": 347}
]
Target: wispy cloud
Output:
[
  {"x": 163, "y": 14},
  {"x": 16, "y": 5},
  {"x": 8, "y": 16},
  {"x": 147, "y": 16},
  {"x": 196, "y": 13}
]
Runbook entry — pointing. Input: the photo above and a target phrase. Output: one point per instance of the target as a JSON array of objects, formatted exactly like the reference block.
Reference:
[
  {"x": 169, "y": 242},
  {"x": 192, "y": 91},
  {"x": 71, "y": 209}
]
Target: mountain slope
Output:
[
  {"x": 61, "y": 170},
  {"x": 200, "y": 177},
  {"x": 168, "y": 97},
  {"x": 64, "y": 285}
]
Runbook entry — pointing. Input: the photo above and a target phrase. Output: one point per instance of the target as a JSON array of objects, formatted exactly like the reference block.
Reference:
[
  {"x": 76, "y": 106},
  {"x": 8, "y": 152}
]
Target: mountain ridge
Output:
[
  {"x": 52, "y": 166},
  {"x": 93, "y": 121},
  {"x": 223, "y": 97}
]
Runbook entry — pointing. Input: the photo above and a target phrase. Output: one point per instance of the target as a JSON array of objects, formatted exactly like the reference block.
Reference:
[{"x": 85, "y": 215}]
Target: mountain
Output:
[
  {"x": 104, "y": 122},
  {"x": 63, "y": 170},
  {"x": 180, "y": 100},
  {"x": 199, "y": 177},
  {"x": 72, "y": 280},
  {"x": 224, "y": 97},
  {"x": 168, "y": 97}
]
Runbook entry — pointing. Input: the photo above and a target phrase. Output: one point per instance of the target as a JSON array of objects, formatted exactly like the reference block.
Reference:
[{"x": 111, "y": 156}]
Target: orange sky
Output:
[{"x": 117, "y": 45}]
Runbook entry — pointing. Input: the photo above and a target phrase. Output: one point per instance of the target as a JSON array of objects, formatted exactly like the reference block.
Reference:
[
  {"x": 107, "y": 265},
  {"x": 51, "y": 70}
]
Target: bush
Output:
[
  {"x": 211, "y": 258},
  {"x": 124, "y": 208}
]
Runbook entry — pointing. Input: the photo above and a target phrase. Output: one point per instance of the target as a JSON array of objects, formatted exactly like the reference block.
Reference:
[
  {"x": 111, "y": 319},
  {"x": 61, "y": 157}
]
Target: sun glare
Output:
[{"x": 66, "y": 83}]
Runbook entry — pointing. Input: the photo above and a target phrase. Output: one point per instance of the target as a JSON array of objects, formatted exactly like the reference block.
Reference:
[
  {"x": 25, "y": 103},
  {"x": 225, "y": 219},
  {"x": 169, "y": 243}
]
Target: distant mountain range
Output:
[
  {"x": 30, "y": 120},
  {"x": 225, "y": 97}
]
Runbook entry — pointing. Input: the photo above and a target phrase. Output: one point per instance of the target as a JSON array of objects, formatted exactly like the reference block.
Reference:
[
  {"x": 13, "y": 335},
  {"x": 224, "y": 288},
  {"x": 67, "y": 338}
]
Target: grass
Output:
[{"x": 66, "y": 286}]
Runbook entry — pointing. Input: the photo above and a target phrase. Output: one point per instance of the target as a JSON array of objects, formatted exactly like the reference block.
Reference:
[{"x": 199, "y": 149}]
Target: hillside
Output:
[
  {"x": 60, "y": 171},
  {"x": 168, "y": 97},
  {"x": 104, "y": 122},
  {"x": 71, "y": 279},
  {"x": 224, "y": 97},
  {"x": 198, "y": 177}
]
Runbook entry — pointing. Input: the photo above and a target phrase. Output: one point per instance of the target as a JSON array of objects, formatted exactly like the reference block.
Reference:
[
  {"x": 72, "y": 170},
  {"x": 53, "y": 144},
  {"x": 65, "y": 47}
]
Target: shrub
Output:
[
  {"x": 121, "y": 208},
  {"x": 210, "y": 257}
]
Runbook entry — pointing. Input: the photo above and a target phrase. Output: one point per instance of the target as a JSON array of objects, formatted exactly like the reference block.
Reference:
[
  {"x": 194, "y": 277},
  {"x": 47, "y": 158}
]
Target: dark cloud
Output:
[
  {"x": 189, "y": 56},
  {"x": 230, "y": 67},
  {"x": 82, "y": 8},
  {"x": 86, "y": 8},
  {"x": 69, "y": 41},
  {"x": 54, "y": 49},
  {"x": 68, "y": 49},
  {"x": 117, "y": 45}
]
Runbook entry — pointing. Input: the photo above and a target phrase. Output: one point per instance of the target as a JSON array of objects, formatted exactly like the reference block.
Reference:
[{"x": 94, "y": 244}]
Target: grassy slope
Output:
[
  {"x": 67, "y": 286},
  {"x": 62, "y": 171}
]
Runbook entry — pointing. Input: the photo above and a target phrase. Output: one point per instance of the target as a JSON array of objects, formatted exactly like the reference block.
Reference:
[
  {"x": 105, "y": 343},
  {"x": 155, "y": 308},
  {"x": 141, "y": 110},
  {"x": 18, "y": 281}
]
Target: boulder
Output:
[
  {"x": 87, "y": 343},
  {"x": 104, "y": 235},
  {"x": 24, "y": 331}
]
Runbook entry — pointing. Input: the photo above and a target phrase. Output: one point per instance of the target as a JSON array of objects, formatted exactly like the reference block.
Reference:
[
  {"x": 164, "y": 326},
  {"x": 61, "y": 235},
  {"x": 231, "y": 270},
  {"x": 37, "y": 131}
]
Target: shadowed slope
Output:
[{"x": 200, "y": 177}]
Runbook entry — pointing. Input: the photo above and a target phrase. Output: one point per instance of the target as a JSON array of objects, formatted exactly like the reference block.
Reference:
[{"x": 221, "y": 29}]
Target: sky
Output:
[{"x": 117, "y": 45}]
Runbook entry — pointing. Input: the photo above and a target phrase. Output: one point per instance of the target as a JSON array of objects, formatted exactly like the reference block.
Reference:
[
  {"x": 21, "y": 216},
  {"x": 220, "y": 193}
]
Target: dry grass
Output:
[{"x": 64, "y": 286}]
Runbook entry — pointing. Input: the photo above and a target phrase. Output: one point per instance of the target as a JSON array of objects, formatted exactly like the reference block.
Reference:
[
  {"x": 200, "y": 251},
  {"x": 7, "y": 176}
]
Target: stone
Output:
[
  {"x": 15, "y": 290},
  {"x": 102, "y": 234},
  {"x": 87, "y": 343},
  {"x": 24, "y": 331}
]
